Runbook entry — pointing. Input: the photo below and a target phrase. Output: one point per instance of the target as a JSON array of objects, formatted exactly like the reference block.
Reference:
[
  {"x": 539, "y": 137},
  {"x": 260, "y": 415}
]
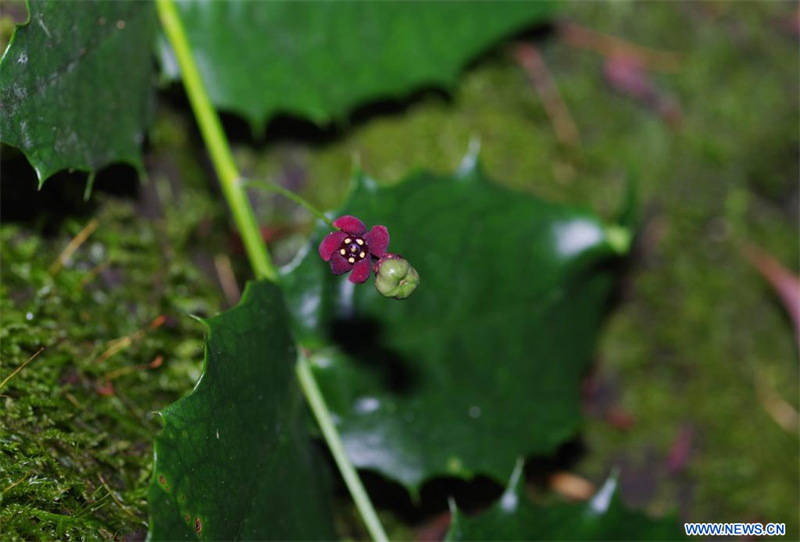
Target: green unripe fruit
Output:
[{"x": 395, "y": 277}]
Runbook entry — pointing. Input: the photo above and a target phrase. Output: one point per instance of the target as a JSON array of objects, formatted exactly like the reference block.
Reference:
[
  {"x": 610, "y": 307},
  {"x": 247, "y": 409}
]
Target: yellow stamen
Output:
[
  {"x": 362, "y": 255},
  {"x": 348, "y": 240},
  {"x": 360, "y": 241},
  {"x": 343, "y": 252},
  {"x": 351, "y": 260}
]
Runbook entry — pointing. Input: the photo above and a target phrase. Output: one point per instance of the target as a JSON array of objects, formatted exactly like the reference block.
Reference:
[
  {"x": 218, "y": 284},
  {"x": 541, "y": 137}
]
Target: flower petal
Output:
[
  {"x": 361, "y": 271},
  {"x": 339, "y": 265},
  {"x": 329, "y": 245},
  {"x": 350, "y": 224},
  {"x": 378, "y": 240}
]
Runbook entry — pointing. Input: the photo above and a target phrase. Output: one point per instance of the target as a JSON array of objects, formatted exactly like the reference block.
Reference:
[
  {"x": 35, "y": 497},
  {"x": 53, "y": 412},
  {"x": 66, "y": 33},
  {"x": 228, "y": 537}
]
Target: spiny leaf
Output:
[
  {"x": 484, "y": 362},
  {"x": 235, "y": 460},
  {"x": 321, "y": 59},
  {"x": 602, "y": 517},
  {"x": 75, "y": 84}
]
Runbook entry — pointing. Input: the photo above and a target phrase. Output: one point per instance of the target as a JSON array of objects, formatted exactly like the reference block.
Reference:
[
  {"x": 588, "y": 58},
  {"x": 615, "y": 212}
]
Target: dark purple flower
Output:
[{"x": 353, "y": 248}]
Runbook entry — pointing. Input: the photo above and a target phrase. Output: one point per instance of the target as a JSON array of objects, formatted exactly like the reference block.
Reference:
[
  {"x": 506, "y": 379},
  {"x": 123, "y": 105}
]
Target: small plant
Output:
[{"x": 504, "y": 287}]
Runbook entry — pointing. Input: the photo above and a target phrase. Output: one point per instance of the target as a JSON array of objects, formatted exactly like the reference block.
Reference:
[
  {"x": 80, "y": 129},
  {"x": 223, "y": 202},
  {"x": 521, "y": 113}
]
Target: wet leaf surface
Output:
[
  {"x": 483, "y": 362},
  {"x": 235, "y": 460},
  {"x": 75, "y": 84},
  {"x": 320, "y": 60},
  {"x": 601, "y": 518}
]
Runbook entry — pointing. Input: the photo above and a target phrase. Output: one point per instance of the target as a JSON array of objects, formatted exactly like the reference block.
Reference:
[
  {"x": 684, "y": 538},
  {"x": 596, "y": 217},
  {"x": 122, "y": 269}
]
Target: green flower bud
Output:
[{"x": 395, "y": 277}]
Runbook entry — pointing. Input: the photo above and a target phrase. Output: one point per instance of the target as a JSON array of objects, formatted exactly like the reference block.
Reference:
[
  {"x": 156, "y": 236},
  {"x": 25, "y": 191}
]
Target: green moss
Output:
[{"x": 65, "y": 444}]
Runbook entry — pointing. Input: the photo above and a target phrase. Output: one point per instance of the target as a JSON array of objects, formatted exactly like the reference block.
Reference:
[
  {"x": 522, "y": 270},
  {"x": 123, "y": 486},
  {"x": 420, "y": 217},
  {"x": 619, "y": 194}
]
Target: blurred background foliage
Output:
[{"x": 694, "y": 357}]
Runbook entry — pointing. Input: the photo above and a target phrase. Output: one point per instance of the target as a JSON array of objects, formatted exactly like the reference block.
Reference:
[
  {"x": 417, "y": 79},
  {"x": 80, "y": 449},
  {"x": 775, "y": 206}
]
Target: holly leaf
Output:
[
  {"x": 602, "y": 517},
  {"x": 321, "y": 59},
  {"x": 235, "y": 460},
  {"x": 75, "y": 84},
  {"x": 483, "y": 363}
]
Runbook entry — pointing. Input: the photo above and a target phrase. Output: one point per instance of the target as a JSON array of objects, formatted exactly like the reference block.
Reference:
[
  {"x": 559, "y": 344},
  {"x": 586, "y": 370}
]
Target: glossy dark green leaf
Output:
[
  {"x": 235, "y": 460},
  {"x": 483, "y": 363},
  {"x": 75, "y": 84},
  {"x": 602, "y": 517},
  {"x": 321, "y": 59}
]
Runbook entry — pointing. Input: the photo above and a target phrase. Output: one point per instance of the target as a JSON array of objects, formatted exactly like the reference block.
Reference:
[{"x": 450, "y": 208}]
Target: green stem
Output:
[
  {"x": 217, "y": 144},
  {"x": 221, "y": 156},
  {"x": 267, "y": 185},
  {"x": 323, "y": 415}
]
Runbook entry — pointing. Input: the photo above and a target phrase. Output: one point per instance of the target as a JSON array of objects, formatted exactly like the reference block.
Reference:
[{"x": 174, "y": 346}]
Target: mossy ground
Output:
[
  {"x": 78, "y": 420},
  {"x": 682, "y": 350}
]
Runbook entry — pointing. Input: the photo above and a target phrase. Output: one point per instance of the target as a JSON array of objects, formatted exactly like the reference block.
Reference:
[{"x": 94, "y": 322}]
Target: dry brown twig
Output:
[
  {"x": 785, "y": 284},
  {"x": 563, "y": 124},
  {"x": 117, "y": 345},
  {"x": 73, "y": 245},
  {"x": 227, "y": 278},
  {"x": 18, "y": 369},
  {"x": 776, "y": 406},
  {"x": 614, "y": 47},
  {"x": 787, "y": 287}
]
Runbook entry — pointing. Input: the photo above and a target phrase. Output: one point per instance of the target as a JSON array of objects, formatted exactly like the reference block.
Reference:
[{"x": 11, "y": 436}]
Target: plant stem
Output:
[
  {"x": 217, "y": 144},
  {"x": 267, "y": 185},
  {"x": 233, "y": 189},
  {"x": 323, "y": 415}
]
